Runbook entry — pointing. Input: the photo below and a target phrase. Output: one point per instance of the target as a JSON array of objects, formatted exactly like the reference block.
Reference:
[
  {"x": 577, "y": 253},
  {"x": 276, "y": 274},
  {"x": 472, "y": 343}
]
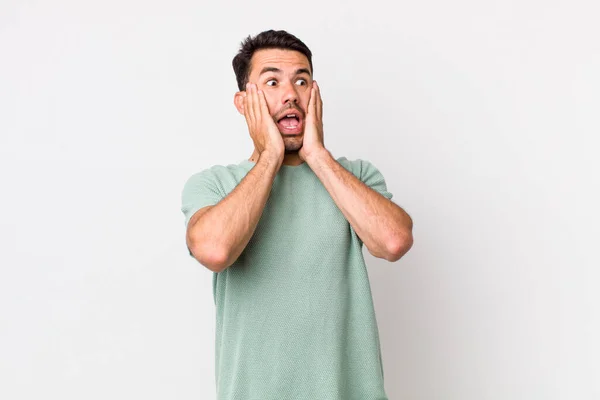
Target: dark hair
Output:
[{"x": 265, "y": 40}]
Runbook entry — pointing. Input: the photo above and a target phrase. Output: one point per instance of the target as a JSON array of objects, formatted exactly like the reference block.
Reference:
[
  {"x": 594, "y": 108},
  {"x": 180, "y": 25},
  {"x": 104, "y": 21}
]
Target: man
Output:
[{"x": 283, "y": 233}]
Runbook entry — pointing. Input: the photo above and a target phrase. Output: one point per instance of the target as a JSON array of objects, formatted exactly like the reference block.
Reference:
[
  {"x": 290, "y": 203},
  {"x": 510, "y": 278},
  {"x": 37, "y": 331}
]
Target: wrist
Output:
[
  {"x": 318, "y": 156},
  {"x": 271, "y": 158}
]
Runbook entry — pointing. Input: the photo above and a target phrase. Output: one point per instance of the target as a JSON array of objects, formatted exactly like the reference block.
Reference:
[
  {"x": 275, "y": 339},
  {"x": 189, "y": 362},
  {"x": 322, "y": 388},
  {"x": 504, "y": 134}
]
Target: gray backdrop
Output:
[{"x": 482, "y": 116}]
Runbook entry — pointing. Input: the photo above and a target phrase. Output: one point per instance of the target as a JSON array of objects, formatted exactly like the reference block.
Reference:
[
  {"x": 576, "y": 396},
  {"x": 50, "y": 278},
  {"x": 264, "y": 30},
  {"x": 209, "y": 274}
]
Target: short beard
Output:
[{"x": 292, "y": 144}]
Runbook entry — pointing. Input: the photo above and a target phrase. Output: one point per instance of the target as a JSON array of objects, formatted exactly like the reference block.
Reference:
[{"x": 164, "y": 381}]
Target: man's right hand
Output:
[{"x": 263, "y": 130}]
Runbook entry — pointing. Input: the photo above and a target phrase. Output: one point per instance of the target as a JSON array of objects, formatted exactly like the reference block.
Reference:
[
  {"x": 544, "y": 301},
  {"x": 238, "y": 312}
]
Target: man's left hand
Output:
[{"x": 313, "y": 131}]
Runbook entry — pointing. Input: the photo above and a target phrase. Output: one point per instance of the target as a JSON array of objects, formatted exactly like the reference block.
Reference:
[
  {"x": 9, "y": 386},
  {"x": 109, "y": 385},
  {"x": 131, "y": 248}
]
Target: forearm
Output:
[
  {"x": 384, "y": 227},
  {"x": 227, "y": 227}
]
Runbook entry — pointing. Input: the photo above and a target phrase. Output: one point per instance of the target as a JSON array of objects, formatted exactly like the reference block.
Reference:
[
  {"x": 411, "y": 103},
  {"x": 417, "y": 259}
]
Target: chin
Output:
[{"x": 292, "y": 144}]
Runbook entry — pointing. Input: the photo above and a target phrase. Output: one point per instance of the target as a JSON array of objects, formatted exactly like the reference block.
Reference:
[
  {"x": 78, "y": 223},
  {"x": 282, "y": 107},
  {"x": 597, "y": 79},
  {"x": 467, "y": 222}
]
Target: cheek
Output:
[
  {"x": 271, "y": 101},
  {"x": 305, "y": 100},
  {"x": 272, "y": 105}
]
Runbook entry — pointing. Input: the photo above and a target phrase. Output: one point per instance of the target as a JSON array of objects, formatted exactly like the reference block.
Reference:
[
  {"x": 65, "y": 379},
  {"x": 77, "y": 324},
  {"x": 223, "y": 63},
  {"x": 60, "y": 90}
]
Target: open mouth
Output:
[{"x": 291, "y": 123}]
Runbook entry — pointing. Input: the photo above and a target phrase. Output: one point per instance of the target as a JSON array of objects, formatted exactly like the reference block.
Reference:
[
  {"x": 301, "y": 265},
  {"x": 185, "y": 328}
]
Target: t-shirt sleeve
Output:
[
  {"x": 371, "y": 177},
  {"x": 201, "y": 189}
]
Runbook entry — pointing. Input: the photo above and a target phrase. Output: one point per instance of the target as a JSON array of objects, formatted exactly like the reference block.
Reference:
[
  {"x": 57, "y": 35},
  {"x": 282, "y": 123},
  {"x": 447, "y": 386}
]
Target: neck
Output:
[{"x": 288, "y": 159}]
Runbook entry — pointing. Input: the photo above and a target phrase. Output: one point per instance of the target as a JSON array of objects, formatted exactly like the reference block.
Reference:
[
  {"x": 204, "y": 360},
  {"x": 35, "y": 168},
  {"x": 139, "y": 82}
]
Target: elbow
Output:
[
  {"x": 209, "y": 255},
  {"x": 399, "y": 247},
  {"x": 216, "y": 261}
]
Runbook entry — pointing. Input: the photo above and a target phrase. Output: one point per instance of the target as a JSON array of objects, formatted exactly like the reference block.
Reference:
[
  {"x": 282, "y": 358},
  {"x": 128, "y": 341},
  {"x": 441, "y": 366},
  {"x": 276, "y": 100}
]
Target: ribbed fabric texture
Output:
[{"x": 294, "y": 313}]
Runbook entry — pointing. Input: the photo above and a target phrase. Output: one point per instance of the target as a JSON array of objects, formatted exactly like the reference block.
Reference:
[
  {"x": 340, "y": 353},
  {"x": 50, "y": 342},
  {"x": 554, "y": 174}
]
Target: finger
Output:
[
  {"x": 250, "y": 99},
  {"x": 319, "y": 102},
  {"x": 260, "y": 113},
  {"x": 245, "y": 103},
  {"x": 311, "y": 101},
  {"x": 264, "y": 108},
  {"x": 256, "y": 106}
]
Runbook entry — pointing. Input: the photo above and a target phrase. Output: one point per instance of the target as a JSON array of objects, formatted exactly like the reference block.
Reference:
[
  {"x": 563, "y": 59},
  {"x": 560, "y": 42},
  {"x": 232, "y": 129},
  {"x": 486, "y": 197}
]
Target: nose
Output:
[{"x": 290, "y": 93}]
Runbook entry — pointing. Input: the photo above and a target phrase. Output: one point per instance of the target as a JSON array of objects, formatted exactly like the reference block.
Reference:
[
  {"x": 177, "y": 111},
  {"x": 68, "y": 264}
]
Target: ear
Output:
[{"x": 238, "y": 101}]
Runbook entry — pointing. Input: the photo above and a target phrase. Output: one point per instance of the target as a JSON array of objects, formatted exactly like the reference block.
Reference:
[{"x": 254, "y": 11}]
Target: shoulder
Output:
[
  {"x": 217, "y": 173},
  {"x": 359, "y": 167},
  {"x": 367, "y": 173}
]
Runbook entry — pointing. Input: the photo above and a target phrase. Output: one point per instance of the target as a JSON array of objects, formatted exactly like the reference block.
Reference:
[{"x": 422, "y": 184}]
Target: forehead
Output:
[{"x": 286, "y": 60}]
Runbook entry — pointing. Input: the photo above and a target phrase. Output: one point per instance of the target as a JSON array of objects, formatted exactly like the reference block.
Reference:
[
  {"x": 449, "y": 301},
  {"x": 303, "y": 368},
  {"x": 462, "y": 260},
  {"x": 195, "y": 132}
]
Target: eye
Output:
[
  {"x": 301, "y": 80},
  {"x": 271, "y": 82}
]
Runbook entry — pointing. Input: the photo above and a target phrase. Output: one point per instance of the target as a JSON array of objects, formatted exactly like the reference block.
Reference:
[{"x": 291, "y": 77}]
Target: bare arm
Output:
[
  {"x": 384, "y": 227},
  {"x": 217, "y": 235}
]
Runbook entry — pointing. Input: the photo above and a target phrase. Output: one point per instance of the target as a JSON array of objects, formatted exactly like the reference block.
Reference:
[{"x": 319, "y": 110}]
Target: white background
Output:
[{"x": 482, "y": 116}]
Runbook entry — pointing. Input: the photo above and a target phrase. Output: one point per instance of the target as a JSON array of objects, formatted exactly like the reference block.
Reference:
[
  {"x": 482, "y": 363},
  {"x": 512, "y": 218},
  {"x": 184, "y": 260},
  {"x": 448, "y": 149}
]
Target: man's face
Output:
[{"x": 285, "y": 78}]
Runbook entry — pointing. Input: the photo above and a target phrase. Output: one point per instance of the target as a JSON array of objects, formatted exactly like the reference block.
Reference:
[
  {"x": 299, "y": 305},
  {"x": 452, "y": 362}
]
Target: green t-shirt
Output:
[{"x": 294, "y": 313}]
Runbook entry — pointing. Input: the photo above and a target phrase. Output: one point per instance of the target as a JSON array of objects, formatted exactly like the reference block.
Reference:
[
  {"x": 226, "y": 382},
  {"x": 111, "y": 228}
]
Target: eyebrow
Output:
[{"x": 278, "y": 71}]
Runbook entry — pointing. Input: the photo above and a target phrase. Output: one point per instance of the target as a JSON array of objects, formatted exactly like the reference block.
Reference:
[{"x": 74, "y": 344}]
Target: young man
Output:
[{"x": 283, "y": 233}]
